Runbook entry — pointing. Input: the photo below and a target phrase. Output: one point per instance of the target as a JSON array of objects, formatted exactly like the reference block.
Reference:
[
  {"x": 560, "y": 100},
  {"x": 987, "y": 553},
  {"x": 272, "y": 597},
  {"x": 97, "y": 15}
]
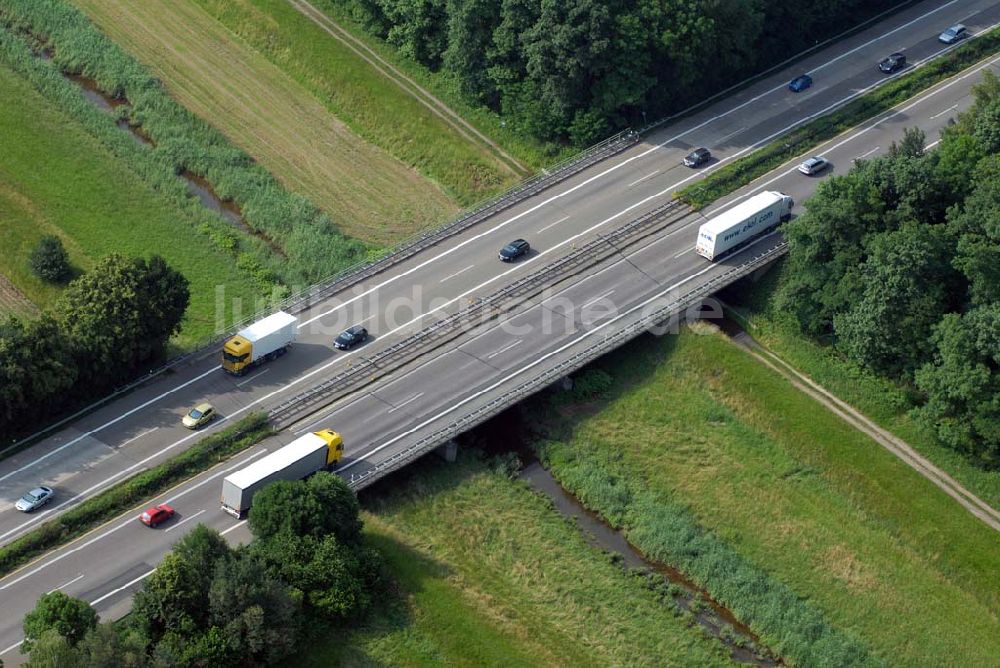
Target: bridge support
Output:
[
  {"x": 448, "y": 451},
  {"x": 566, "y": 383},
  {"x": 759, "y": 273}
]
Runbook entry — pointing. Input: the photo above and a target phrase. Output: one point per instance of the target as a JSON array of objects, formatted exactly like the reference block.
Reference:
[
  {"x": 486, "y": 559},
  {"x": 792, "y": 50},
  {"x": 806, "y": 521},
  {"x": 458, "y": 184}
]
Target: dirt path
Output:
[
  {"x": 13, "y": 301},
  {"x": 408, "y": 85},
  {"x": 886, "y": 439}
]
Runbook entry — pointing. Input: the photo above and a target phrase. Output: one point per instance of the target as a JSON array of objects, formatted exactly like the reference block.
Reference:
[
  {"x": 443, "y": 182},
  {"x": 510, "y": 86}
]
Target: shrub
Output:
[{"x": 49, "y": 260}]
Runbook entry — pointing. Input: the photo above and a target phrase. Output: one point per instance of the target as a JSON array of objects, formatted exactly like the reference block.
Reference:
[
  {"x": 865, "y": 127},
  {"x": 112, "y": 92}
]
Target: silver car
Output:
[
  {"x": 814, "y": 165},
  {"x": 953, "y": 34},
  {"x": 36, "y": 498}
]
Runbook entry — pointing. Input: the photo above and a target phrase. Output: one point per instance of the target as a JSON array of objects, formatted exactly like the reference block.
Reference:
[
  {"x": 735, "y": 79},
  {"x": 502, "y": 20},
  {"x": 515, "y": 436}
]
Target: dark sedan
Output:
[
  {"x": 893, "y": 63},
  {"x": 800, "y": 83},
  {"x": 351, "y": 337},
  {"x": 514, "y": 250}
]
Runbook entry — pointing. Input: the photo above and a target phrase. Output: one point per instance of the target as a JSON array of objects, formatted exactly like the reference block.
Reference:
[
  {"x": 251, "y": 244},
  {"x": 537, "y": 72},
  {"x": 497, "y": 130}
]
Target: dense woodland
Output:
[
  {"x": 898, "y": 265},
  {"x": 581, "y": 69}
]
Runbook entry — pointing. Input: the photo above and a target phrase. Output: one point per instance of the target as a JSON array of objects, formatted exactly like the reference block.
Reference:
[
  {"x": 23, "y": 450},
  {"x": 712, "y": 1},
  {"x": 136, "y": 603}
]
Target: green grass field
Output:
[
  {"x": 882, "y": 553},
  {"x": 55, "y": 178},
  {"x": 489, "y": 574},
  {"x": 881, "y": 400},
  {"x": 368, "y": 102},
  {"x": 368, "y": 193}
]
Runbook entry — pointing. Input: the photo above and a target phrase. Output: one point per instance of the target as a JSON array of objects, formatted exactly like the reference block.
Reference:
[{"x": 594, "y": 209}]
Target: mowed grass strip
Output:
[
  {"x": 875, "y": 546},
  {"x": 368, "y": 194},
  {"x": 370, "y": 103},
  {"x": 56, "y": 179},
  {"x": 492, "y": 575},
  {"x": 880, "y": 399}
]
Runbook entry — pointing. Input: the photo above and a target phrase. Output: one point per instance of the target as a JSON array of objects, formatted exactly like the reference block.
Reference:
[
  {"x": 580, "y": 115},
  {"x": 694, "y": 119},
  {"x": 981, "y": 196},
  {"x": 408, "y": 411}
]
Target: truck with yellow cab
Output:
[
  {"x": 263, "y": 340},
  {"x": 302, "y": 457}
]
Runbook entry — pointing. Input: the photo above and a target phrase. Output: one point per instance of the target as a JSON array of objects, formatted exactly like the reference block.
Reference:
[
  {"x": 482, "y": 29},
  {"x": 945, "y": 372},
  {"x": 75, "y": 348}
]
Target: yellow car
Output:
[{"x": 200, "y": 415}]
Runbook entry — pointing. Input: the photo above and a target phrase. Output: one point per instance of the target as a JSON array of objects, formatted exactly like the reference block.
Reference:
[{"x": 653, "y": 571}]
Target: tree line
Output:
[
  {"x": 581, "y": 69},
  {"x": 306, "y": 572},
  {"x": 108, "y": 324},
  {"x": 897, "y": 264}
]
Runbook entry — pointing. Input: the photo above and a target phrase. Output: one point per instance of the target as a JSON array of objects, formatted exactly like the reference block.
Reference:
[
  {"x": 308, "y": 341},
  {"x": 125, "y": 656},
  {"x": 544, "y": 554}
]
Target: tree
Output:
[
  {"x": 52, "y": 650},
  {"x": 255, "y": 612},
  {"x": 173, "y": 600},
  {"x": 907, "y": 285},
  {"x": 962, "y": 385},
  {"x": 323, "y": 504},
  {"x": 70, "y": 617},
  {"x": 106, "y": 647},
  {"x": 49, "y": 260},
  {"x": 911, "y": 145},
  {"x": 470, "y": 27},
  {"x": 120, "y": 315},
  {"x": 36, "y": 369}
]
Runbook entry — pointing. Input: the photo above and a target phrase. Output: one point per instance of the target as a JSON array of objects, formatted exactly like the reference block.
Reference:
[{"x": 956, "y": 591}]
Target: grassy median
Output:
[
  {"x": 735, "y": 175},
  {"x": 124, "y": 495},
  {"x": 701, "y": 452}
]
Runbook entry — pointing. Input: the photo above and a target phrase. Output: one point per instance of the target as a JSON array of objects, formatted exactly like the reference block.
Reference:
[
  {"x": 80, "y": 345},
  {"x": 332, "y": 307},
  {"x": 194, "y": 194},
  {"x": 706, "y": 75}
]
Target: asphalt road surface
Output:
[{"x": 142, "y": 428}]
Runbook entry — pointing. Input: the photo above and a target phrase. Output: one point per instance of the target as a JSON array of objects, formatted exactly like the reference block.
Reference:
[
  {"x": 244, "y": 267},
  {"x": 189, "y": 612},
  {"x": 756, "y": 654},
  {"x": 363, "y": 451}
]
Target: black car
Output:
[
  {"x": 895, "y": 61},
  {"x": 697, "y": 157},
  {"x": 800, "y": 83},
  {"x": 351, "y": 337},
  {"x": 514, "y": 250}
]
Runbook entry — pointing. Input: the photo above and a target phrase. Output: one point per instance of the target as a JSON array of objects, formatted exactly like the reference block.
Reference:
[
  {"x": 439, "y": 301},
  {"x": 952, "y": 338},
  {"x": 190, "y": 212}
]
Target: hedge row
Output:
[
  {"x": 126, "y": 494},
  {"x": 799, "y": 141},
  {"x": 183, "y": 142},
  {"x": 667, "y": 532}
]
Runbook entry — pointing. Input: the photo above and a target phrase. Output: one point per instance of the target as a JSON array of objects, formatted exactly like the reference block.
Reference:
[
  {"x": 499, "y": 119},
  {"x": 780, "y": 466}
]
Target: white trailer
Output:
[
  {"x": 300, "y": 458},
  {"x": 261, "y": 341},
  {"x": 742, "y": 223}
]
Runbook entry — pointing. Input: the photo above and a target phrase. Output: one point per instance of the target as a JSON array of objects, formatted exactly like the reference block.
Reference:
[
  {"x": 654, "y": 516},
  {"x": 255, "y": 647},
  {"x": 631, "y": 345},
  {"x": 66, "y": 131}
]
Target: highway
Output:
[{"x": 469, "y": 372}]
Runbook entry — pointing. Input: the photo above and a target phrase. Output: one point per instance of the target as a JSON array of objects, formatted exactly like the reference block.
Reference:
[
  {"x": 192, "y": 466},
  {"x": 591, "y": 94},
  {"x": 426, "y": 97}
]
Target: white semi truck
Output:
[
  {"x": 742, "y": 223},
  {"x": 261, "y": 341},
  {"x": 300, "y": 458}
]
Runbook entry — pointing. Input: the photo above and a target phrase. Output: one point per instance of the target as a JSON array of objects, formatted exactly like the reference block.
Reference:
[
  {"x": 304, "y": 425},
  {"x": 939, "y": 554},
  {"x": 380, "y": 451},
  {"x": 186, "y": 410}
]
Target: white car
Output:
[
  {"x": 36, "y": 498},
  {"x": 814, "y": 165}
]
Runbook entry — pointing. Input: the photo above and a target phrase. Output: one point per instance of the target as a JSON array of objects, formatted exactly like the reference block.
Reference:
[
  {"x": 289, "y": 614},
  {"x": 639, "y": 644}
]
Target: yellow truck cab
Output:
[
  {"x": 334, "y": 445},
  {"x": 263, "y": 340}
]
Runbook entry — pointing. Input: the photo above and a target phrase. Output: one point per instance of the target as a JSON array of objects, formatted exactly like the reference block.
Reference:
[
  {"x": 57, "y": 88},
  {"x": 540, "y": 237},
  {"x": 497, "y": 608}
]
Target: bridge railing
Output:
[{"x": 567, "y": 366}]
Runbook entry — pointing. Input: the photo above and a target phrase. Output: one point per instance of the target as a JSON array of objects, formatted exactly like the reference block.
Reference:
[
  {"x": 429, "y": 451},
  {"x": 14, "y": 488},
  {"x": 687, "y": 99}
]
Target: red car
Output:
[{"x": 157, "y": 515}]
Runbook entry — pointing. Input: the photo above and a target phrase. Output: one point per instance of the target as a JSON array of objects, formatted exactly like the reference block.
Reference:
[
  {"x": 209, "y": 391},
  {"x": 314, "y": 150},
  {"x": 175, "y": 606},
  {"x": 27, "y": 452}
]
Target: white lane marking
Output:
[
  {"x": 123, "y": 587},
  {"x": 896, "y": 111},
  {"x": 683, "y": 252},
  {"x": 12, "y": 647},
  {"x": 867, "y": 153},
  {"x": 408, "y": 401},
  {"x": 724, "y": 138},
  {"x": 233, "y": 528},
  {"x": 942, "y": 113},
  {"x": 460, "y": 271},
  {"x": 504, "y": 349},
  {"x": 66, "y": 584},
  {"x": 637, "y": 157},
  {"x": 127, "y": 522},
  {"x": 184, "y": 520},
  {"x": 104, "y": 426},
  {"x": 550, "y": 225},
  {"x": 476, "y": 237},
  {"x": 534, "y": 363},
  {"x": 253, "y": 377},
  {"x": 640, "y": 180},
  {"x": 597, "y": 299},
  {"x": 137, "y": 436}
]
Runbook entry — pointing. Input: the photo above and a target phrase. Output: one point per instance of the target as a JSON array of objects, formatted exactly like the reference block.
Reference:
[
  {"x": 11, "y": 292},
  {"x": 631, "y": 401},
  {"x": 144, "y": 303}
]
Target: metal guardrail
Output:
[
  {"x": 362, "y": 270},
  {"x": 483, "y": 310},
  {"x": 611, "y": 341}
]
